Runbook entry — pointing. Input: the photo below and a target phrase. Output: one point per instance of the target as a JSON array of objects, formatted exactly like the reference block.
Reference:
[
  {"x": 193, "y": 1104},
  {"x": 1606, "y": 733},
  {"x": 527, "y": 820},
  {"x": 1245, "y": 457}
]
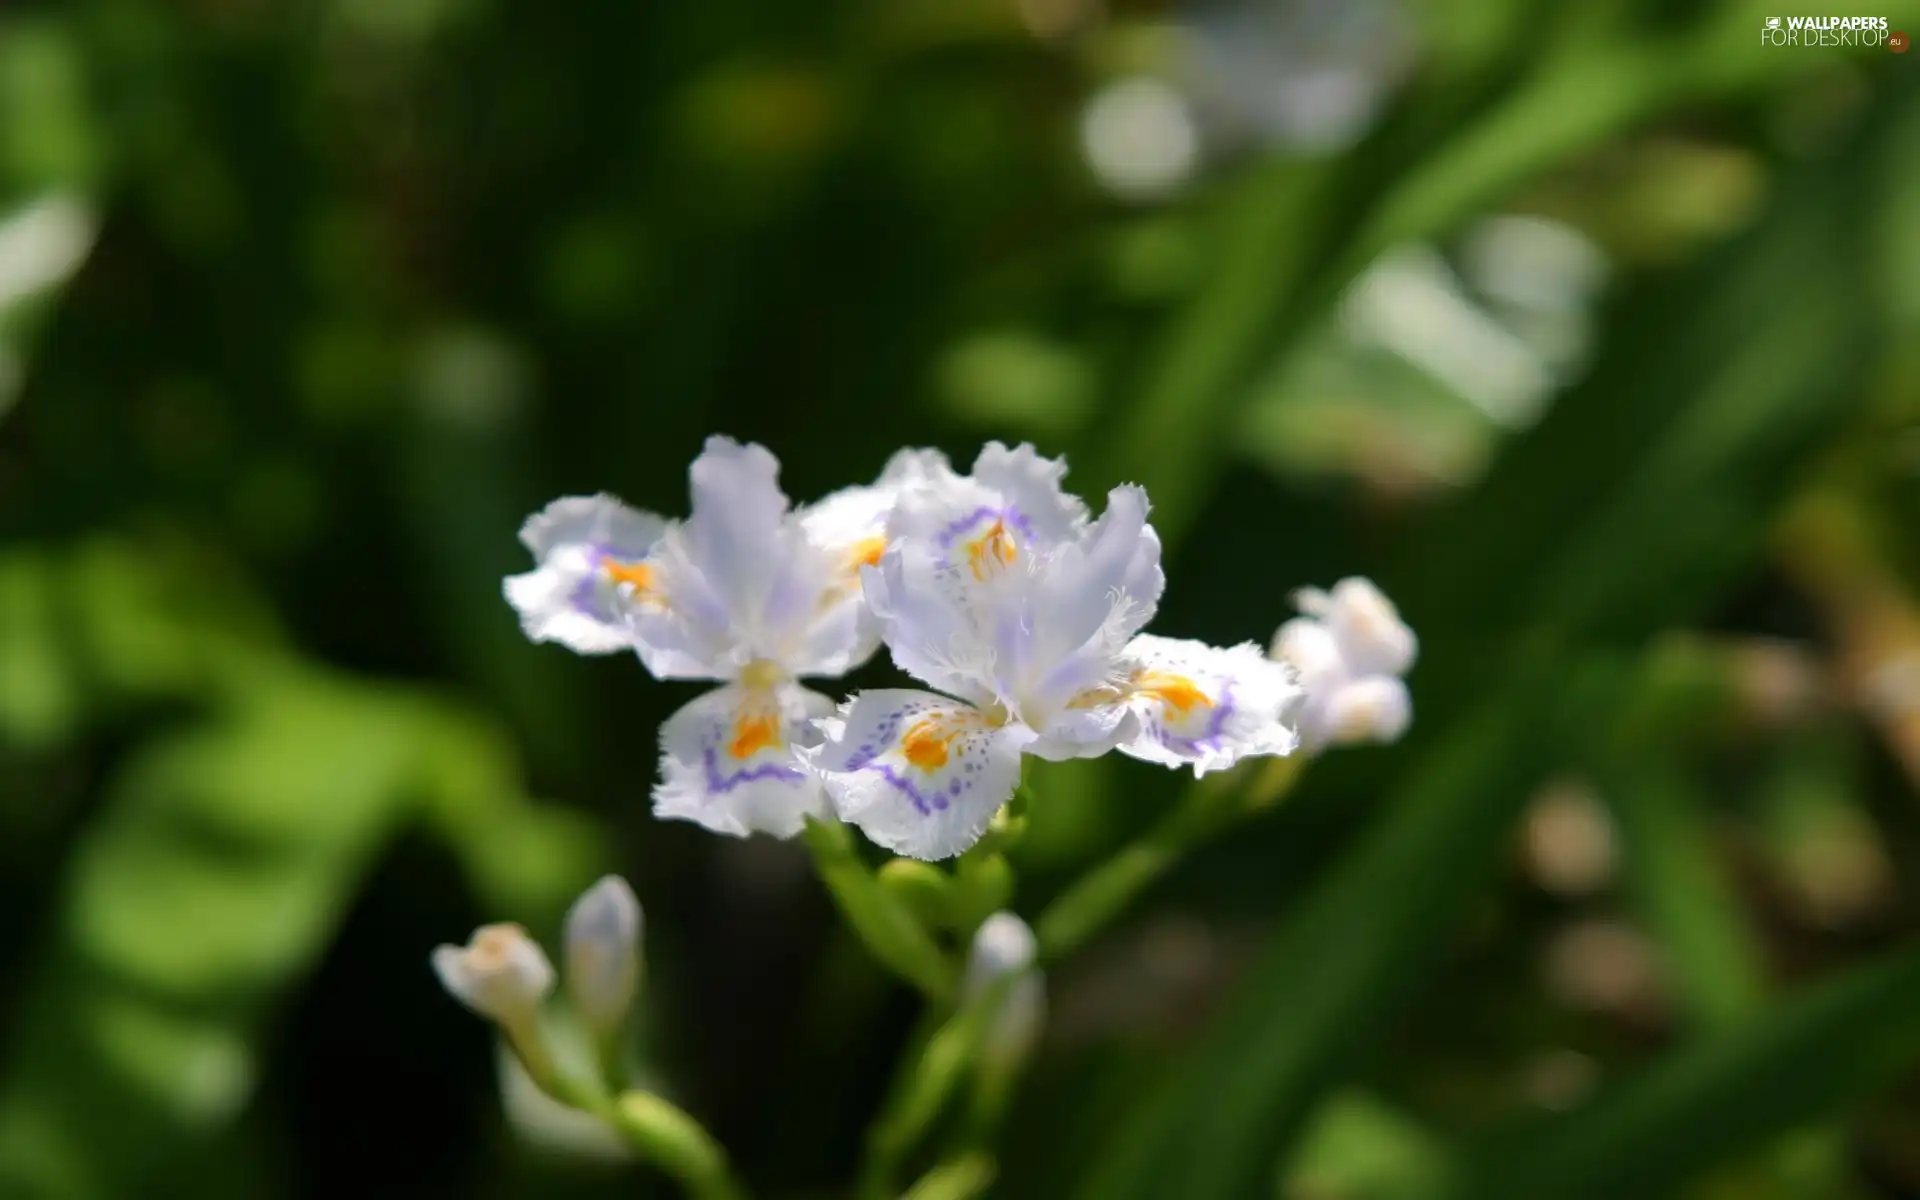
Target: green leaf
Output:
[
  {"x": 1715, "y": 431},
  {"x": 1334, "y": 968},
  {"x": 215, "y": 876},
  {"x": 39, "y": 690},
  {"x": 1361, "y": 1146},
  {"x": 1813, "y": 1055},
  {"x": 1682, "y": 893}
]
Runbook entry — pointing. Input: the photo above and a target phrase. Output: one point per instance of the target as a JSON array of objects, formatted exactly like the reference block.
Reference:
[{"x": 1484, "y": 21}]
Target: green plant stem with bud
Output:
[
  {"x": 655, "y": 1129},
  {"x": 666, "y": 1136},
  {"x": 1210, "y": 806},
  {"x": 920, "y": 1093},
  {"x": 610, "y": 1057},
  {"x": 891, "y": 928},
  {"x": 528, "y": 1042}
]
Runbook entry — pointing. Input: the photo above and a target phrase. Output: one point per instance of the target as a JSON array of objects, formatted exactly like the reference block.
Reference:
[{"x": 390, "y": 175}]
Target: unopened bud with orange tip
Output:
[
  {"x": 500, "y": 973},
  {"x": 504, "y": 976}
]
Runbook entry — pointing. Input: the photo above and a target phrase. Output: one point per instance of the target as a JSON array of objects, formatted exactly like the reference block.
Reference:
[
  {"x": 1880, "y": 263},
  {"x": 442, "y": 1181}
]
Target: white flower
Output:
[
  {"x": 1207, "y": 707},
  {"x": 995, "y": 590},
  {"x": 852, "y": 522},
  {"x": 589, "y": 550},
  {"x": 1350, "y": 649},
  {"x": 746, "y": 592},
  {"x": 500, "y": 973},
  {"x": 1005, "y": 946},
  {"x": 1365, "y": 624},
  {"x": 1374, "y": 709},
  {"x": 603, "y": 953},
  {"x": 756, "y": 595}
]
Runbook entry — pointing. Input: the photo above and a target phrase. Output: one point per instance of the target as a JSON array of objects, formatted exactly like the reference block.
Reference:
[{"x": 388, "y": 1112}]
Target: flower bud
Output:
[
  {"x": 1005, "y": 947},
  {"x": 1375, "y": 709},
  {"x": 922, "y": 888},
  {"x": 1372, "y": 637},
  {"x": 603, "y": 953},
  {"x": 1002, "y": 945},
  {"x": 500, "y": 973}
]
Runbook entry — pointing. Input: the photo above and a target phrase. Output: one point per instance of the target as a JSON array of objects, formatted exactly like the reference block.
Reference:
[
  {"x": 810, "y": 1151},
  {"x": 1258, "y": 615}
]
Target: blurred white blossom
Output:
[
  {"x": 1306, "y": 76},
  {"x": 1350, "y": 648},
  {"x": 1140, "y": 137}
]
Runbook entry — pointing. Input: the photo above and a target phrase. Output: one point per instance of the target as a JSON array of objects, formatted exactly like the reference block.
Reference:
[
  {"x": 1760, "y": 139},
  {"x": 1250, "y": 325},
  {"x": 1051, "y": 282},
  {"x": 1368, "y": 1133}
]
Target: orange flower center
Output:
[
  {"x": 925, "y": 745},
  {"x": 752, "y": 734},
  {"x": 991, "y": 551},
  {"x": 639, "y": 574},
  {"x": 1175, "y": 691}
]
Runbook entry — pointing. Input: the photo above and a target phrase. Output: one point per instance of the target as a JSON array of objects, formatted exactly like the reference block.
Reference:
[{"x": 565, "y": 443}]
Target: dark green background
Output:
[{"x": 373, "y": 279}]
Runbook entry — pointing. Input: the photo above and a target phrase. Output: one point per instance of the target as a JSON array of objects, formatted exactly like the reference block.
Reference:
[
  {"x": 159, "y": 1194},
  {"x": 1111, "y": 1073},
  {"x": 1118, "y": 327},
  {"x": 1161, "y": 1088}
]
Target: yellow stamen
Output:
[
  {"x": 639, "y": 574},
  {"x": 752, "y": 734},
  {"x": 991, "y": 551},
  {"x": 1175, "y": 691},
  {"x": 866, "y": 553},
  {"x": 925, "y": 745}
]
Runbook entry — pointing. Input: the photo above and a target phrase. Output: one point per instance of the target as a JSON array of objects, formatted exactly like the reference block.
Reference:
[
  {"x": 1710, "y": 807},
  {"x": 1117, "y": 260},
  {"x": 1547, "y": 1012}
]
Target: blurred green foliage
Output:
[{"x": 1592, "y": 336}]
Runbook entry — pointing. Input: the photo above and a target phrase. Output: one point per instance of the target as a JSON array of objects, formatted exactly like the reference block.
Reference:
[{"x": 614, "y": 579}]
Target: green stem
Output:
[
  {"x": 959, "y": 1179},
  {"x": 660, "y": 1132},
  {"x": 885, "y": 1146},
  {"x": 1103, "y": 893},
  {"x": 927, "y": 1081},
  {"x": 666, "y": 1136},
  {"x": 891, "y": 930},
  {"x": 610, "y": 1056},
  {"x": 528, "y": 1042}
]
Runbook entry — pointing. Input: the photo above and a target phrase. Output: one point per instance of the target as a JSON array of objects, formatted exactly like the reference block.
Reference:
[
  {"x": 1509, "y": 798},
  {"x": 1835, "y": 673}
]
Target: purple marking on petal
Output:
[
  {"x": 1009, "y": 514},
  {"x": 921, "y": 801},
  {"x": 585, "y": 597},
  {"x": 1216, "y": 727},
  {"x": 717, "y": 782}
]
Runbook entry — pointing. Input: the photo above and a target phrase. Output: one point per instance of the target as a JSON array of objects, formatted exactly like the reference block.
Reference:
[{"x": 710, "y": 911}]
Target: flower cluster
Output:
[
  {"x": 1021, "y": 612},
  {"x": 1350, "y": 648}
]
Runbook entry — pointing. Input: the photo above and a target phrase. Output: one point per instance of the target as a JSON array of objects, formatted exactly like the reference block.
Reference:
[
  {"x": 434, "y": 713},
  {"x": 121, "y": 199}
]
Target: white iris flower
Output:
[
  {"x": 996, "y": 590},
  {"x": 746, "y": 592}
]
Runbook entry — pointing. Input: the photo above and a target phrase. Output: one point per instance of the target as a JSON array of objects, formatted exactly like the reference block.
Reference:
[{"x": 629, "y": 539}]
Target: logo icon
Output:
[
  {"x": 1898, "y": 42},
  {"x": 1773, "y": 22}
]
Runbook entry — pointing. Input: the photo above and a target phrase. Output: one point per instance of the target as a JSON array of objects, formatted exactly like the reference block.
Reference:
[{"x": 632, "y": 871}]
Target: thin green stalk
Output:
[
  {"x": 1105, "y": 891},
  {"x": 659, "y": 1131},
  {"x": 927, "y": 1081},
  {"x": 960, "y": 1179},
  {"x": 891, "y": 930},
  {"x": 666, "y": 1136}
]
